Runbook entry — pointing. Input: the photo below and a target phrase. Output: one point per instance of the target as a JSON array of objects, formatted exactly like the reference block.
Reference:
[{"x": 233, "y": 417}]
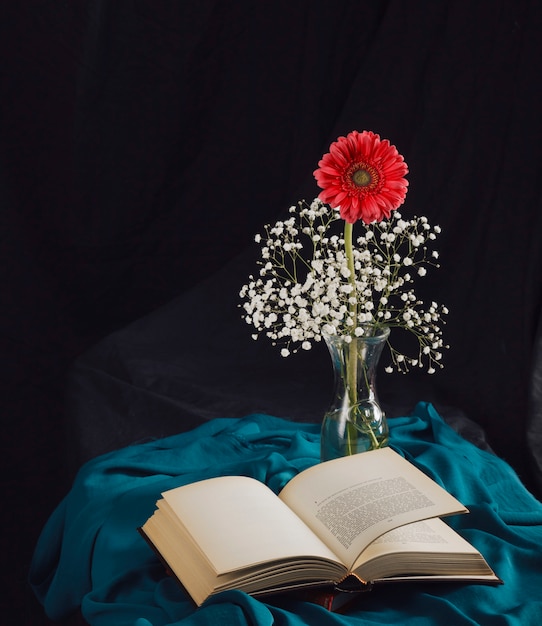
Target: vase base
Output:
[{"x": 335, "y": 444}]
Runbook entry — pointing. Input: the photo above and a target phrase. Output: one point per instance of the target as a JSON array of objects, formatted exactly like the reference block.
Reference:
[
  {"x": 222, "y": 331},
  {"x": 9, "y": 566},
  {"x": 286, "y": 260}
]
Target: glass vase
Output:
[{"x": 355, "y": 422}]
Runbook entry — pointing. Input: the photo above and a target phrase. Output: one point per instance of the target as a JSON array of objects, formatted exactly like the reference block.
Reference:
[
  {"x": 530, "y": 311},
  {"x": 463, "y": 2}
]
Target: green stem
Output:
[
  {"x": 348, "y": 248},
  {"x": 352, "y": 363}
]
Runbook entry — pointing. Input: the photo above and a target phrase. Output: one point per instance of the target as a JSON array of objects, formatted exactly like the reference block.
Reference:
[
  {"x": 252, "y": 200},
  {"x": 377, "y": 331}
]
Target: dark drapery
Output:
[{"x": 143, "y": 143}]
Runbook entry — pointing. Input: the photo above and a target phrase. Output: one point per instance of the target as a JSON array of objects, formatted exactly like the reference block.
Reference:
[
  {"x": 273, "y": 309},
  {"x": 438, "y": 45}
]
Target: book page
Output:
[
  {"x": 351, "y": 501},
  {"x": 429, "y": 547},
  {"x": 238, "y": 521},
  {"x": 429, "y": 536}
]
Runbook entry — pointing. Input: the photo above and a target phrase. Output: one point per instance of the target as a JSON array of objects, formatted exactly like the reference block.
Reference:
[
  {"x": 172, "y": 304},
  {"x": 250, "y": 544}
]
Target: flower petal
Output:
[{"x": 386, "y": 188}]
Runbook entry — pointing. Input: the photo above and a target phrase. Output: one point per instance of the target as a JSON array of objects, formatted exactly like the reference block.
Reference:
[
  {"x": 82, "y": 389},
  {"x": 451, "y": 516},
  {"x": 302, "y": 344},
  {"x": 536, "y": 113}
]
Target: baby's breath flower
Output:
[{"x": 294, "y": 300}]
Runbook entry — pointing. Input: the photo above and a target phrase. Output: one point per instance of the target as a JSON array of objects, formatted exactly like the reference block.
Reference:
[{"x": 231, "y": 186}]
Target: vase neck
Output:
[{"x": 355, "y": 365}]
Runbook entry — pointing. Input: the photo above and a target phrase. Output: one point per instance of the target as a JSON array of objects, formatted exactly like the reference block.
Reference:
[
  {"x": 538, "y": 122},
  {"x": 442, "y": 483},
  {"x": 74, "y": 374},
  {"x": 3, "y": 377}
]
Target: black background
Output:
[{"x": 144, "y": 143}]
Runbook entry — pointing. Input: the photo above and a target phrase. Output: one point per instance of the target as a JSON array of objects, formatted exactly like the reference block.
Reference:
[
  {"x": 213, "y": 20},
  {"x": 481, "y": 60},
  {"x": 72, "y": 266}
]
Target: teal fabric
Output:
[{"x": 90, "y": 554}]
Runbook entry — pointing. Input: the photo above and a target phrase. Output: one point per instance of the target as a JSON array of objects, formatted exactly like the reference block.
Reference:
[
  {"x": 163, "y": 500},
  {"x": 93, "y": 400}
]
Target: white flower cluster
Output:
[{"x": 296, "y": 300}]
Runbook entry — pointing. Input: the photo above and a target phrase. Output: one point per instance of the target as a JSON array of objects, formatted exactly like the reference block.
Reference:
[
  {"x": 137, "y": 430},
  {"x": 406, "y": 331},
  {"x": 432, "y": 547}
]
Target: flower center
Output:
[{"x": 363, "y": 175}]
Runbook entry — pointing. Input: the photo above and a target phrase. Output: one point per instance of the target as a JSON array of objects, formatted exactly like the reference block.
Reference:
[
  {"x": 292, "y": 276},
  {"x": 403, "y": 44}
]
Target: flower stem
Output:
[
  {"x": 352, "y": 361},
  {"x": 348, "y": 248}
]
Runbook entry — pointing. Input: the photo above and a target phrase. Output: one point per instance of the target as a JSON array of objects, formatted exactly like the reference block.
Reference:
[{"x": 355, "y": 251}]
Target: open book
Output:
[{"x": 368, "y": 517}]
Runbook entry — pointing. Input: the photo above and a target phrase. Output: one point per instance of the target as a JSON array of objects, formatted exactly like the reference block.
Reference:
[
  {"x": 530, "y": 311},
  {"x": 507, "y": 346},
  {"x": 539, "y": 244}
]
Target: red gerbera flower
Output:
[{"x": 362, "y": 176}]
